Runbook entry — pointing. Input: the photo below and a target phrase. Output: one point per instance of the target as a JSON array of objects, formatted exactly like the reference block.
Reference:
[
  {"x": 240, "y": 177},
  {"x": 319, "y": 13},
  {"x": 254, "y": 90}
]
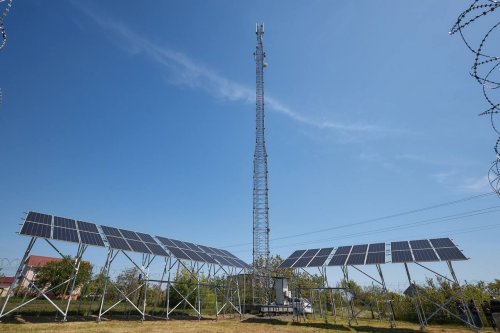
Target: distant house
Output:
[
  {"x": 33, "y": 263},
  {"x": 5, "y": 283}
]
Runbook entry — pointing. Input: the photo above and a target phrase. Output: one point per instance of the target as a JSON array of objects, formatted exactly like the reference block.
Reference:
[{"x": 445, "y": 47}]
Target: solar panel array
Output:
[
  {"x": 61, "y": 228},
  {"x": 70, "y": 230},
  {"x": 423, "y": 250},
  {"x": 307, "y": 258}
]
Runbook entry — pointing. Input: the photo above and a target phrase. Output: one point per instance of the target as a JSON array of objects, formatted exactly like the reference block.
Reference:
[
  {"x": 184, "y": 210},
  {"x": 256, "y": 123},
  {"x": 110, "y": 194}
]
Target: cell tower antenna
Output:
[{"x": 260, "y": 175}]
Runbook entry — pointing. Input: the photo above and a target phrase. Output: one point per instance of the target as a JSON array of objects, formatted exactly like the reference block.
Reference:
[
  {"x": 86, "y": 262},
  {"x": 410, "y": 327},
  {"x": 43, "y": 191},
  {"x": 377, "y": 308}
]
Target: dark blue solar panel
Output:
[
  {"x": 192, "y": 247},
  {"x": 399, "y": 246},
  {"x": 377, "y": 247},
  {"x": 297, "y": 254},
  {"x": 420, "y": 244},
  {"x": 178, "y": 253},
  {"x": 207, "y": 249},
  {"x": 375, "y": 258},
  {"x": 129, "y": 235},
  {"x": 179, "y": 244},
  {"x": 157, "y": 249},
  {"x": 343, "y": 250},
  {"x": 146, "y": 238},
  {"x": 318, "y": 261},
  {"x": 450, "y": 253},
  {"x": 442, "y": 242},
  {"x": 206, "y": 257},
  {"x": 425, "y": 255},
  {"x": 138, "y": 246},
  {"x": 39, "y": 218},
  {"x": 356, "y": 259},
  {"x": 90, "y": 238},
  {"x": 64, "y": 222},
  {"x": 110, "y": 231},
  {"x": 86, "y": 226},
  {"x": 64, "y": 234},
  {"x": 117, "y": 243},
  {"x": 288, "y": 263},
  {"x": 166, "y": 241},
  {"x": 401, "y": 256},
  {"x": 302, "y": 262},
  {"x": 325, "y": 252},
  {"x": 222, "y": 261},
  {"x": 338, "y": 260},
  {"x": 359, "y": 248},
  {"x": 36, "y": 230}
]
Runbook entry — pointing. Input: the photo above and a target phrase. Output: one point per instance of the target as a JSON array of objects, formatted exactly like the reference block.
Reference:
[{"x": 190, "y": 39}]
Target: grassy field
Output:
[{"x": 247, "y": 324}]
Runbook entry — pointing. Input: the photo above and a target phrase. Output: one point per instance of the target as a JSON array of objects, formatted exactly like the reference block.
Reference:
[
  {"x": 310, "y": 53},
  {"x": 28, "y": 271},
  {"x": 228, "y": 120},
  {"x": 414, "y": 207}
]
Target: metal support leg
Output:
[
  {"x": 78, "y": 261},
  {"x": 468, "y": 313},
  {"x": 417, "y": 309},
  {"x": 107, "y": 266},
  {"x": 18, "y": 274},
  {"x": 386, "y": 298}
]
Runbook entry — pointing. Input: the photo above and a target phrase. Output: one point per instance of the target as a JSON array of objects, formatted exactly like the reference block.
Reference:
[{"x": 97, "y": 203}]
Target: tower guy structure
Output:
[{"x": 260, "y": 174}]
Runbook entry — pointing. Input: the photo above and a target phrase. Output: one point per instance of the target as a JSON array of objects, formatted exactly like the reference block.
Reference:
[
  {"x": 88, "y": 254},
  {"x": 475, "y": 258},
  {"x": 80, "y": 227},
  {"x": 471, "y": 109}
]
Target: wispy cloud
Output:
[
  {"x": 480, "y": 184},
  {"x": 185, "y": 71}
]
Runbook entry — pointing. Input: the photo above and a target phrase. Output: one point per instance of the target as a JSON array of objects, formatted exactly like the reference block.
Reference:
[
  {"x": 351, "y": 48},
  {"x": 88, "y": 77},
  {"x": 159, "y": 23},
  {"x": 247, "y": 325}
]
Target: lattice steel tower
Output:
[{"x": 260, "y": 188}]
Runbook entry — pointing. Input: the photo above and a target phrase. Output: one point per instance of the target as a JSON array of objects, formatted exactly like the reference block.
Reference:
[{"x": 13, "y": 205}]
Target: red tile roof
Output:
[
  {"x": 39, "y": 261},
  {"x": 6, "y": 280}
]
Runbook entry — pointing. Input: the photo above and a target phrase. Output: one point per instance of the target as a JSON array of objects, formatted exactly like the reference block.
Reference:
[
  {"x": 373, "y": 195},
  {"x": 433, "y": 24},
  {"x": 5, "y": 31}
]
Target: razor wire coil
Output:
[{"x": 484, "y": 69}]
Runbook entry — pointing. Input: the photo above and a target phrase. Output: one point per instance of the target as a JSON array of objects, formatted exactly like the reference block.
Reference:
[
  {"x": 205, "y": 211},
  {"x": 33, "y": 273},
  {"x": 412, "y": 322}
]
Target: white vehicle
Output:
[{"x": 302, "y": 305}]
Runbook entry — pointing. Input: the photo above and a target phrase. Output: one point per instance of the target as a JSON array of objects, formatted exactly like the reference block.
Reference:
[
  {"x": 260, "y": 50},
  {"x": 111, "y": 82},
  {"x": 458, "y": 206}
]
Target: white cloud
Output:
[
  {"x": 480, "y": 184},
  {"x": 186, "y": 72}
]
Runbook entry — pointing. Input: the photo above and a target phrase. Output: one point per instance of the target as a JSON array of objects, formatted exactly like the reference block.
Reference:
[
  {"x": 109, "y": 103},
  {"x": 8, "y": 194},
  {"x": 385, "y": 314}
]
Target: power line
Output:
[
  {"x": 457, "y": 216},
  {"x": 413, "y": 211}
]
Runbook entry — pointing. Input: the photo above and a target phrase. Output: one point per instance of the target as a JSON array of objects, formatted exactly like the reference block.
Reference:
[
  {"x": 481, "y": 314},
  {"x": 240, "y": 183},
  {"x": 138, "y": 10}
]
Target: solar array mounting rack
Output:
[{"x": 74, "y": 231}]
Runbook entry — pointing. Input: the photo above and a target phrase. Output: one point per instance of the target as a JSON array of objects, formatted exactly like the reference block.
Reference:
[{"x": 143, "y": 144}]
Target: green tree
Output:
[{"x": 56, "y": 272}]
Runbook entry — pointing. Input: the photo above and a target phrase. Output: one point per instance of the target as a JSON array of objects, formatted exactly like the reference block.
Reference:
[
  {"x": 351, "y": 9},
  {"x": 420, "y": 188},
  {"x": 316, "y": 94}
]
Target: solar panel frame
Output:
[
  {"x": 166, "y": 241},
  {"x": 127, "y": 234},
  {"x": 64, "y": 222},
  {"x": 91, "y": 238},
  {"x": 288, "y": 263},
  {"x": 111, "y": 231},
  {"x": 317, "y": 261},
  {"x": 376, "y": 247},
  {"x": 338, "y": 260},
  {"x": 65, "y": 234},
  {"x": 401, "y": 256},
  {"x": 178, "y": 253},
  {"x": 146, "y": 238},
  {"x": 420, "y": 244},
  {"x": 39, "y": 218},
  {"x": 400, "y": 246},
  {"x": 36, "y": 230},
  {"x": 442, "y": 242},
  {"x": 424, "y": 255},
  {"x": 450, "y": 253},
  {"x": 356, "y": 259},
  {"x": 118, "y": 243},
  {"x": 157, "y": 249},
  {"x": 343, "y": 250},
  {"x": 373, "y": 258},
  {"x": 359, "y": 249},
  {"x": 138, "y": 246},
  {"x": 87, "y": 226}
]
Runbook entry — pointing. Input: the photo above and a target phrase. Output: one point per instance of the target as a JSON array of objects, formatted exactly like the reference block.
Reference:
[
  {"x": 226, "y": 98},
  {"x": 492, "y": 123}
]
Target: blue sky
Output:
[{"x": 142, "y": 116}]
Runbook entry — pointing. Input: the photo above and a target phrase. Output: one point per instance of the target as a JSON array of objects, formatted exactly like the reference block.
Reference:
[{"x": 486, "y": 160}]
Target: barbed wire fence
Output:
[{"x": 479, "y": 20}]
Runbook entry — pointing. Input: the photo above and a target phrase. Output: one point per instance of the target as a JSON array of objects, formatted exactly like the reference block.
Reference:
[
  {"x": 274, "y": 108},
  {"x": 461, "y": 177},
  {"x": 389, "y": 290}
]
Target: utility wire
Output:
[{"x": 413, "y": 211}]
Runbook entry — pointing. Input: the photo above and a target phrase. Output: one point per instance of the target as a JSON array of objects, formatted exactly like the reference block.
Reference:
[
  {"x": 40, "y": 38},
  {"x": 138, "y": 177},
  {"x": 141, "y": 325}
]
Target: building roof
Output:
[
  {"x": 39, "y": 261},
  {"x": 6, "y": 279}
]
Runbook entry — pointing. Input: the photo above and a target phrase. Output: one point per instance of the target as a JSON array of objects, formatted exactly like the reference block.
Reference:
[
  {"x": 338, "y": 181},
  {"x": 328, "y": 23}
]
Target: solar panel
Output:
[
  {"x": 401, "y": 256},
  {"x": 375, "y": 258},
  {"x": 223, "y": 261},
  {"x": 146, "y": 238},
  {"x": 90, "y": 238},
  {"x": 35, "y": 229},
  {"x": 338, "y": 260},
  {"x": 399, "y": 246},
  {"x": 39, "y": 218},
  {"x": 442, "y": 242},
  {"x": 117, "y": 243},
  {"x": 306, "y": 258},
  {"x": 129, "y": 234},
  {"x": 356, "y": 259},
  {"x": 166, "y": 241},
  {"x": 178, "y": 253},
  {"x": 359, "y": 248},
  {"x": 321, "y": 257},
  {"x": 420, "y": 244},
  {"x": 110, "y": 231},
  {"x": 64, "y": 234},
  {"x": 157, "y": 249},
  {"x": 86, "y": 226},
  {"x": 64, "y": 222},
  {"x": 423, "y": 255},
  {"x": 138, "y": 246},
  {"x": 377, "y": 247},
  {"x": 450, "y": 253},
  {"x": 343, "y": 250}
]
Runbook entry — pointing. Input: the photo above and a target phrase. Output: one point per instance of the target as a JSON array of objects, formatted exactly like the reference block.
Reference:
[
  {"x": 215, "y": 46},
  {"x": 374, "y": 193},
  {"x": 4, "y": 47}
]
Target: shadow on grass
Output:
[
  {"x": 269, "y": 321},
  {"x": 384, "y": 329},
  {"x": 322, "y": 325},
  {"x": 273, "y": 321}
]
